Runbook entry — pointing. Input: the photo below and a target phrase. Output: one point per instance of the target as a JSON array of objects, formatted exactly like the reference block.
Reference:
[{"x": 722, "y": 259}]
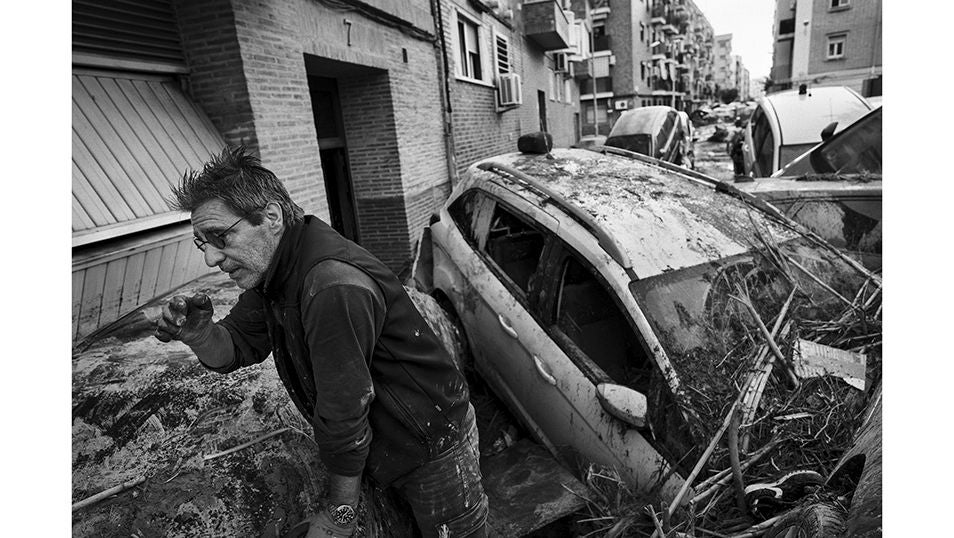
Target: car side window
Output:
[
  {"x": 465, "y": 211},
  {"x": 663, "y": 135},
  {"x": 514, "y": 246},
  {"x": 589, "y": 318}
]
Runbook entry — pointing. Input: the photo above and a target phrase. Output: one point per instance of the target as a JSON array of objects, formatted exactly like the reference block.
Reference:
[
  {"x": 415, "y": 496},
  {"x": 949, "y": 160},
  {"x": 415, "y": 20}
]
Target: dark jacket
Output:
[{"x": 419, "y": 396}]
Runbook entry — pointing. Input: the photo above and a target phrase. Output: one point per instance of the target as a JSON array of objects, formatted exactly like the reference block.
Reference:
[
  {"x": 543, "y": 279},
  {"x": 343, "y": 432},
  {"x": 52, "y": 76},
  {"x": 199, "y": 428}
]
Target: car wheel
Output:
[
  {"x": 461, "y": 344},
  {"x": 818, "y": 520}
]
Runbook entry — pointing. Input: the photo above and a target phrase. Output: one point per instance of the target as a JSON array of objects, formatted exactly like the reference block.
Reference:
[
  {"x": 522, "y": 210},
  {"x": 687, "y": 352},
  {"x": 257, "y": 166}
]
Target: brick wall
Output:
[
  {"x": 860, "y": 22},
  {"x": 216, "y": 81},
  {"x": 393, "y": 119},
  {"x": 480, "y": 130},
  {"x": 248, "y": 75}
]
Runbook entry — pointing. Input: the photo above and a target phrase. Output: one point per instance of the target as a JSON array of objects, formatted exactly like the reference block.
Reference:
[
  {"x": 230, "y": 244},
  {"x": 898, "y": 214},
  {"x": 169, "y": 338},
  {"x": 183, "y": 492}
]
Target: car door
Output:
[
  {"x": 592, "y": 341},
  {"x": 497, "y": 275}
]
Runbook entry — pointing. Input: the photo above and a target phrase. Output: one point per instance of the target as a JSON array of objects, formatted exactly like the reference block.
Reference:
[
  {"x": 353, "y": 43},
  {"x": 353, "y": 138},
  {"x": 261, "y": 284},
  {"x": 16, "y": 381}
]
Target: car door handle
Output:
[
  {"x": 543, "y": 371},
  {"x": 506, "y": 326}
]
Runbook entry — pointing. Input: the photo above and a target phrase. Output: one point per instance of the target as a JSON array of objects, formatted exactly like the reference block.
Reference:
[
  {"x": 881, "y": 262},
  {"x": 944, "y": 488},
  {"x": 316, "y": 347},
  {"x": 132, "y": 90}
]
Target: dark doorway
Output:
[
  {"x": 333, "y": 149},
  {"x": 542, "y": 105}
]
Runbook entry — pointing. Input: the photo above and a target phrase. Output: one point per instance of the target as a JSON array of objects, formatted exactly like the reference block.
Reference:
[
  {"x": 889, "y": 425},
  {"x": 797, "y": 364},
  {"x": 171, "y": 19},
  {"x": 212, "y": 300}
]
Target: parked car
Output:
[
  {"x": 587, "y": 285},
  {"x": 656, "y": 131},
  {"x": 835, "y": 189},
  {"x": 789, "y": 123}
]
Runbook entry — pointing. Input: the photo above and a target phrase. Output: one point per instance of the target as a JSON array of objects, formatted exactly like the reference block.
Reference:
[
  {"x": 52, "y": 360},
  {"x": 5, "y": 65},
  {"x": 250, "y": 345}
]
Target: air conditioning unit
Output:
[
  {"x": 509, "y": 90},
  {"x": 560, "y": 62},
  {"x": 621, "y": 104}
]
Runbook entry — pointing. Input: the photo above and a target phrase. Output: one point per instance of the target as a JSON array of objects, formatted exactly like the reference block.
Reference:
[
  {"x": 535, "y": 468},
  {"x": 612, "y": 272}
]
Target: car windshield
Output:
[
  {"x": 699, "y": 315},
  {"x": 856, "y": 150}
]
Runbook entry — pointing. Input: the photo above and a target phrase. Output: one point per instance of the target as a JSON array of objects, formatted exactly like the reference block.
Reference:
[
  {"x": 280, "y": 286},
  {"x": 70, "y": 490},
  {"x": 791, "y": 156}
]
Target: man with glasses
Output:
[{"x": 357, "y": 358}]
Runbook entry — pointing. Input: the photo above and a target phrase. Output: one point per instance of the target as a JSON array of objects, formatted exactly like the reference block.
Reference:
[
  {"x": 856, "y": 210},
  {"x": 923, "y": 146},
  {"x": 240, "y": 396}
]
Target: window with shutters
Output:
[{"x": 502, "y": 54}]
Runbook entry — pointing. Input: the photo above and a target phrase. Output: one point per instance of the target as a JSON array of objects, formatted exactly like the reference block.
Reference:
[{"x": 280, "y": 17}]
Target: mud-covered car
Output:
[
  {"x": 656, "y": 131},
  {"x": 835, "y": 189},
  {"x": 604, "y": 298}
]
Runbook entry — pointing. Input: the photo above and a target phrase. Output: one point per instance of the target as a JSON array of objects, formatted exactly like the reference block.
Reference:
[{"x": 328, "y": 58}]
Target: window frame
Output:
[
  {"x": 840, "y": 38},
  {"x": 463, "y": 65},
  {"x": 549, "y": 283},
  {"x": 838, "y": 5}
]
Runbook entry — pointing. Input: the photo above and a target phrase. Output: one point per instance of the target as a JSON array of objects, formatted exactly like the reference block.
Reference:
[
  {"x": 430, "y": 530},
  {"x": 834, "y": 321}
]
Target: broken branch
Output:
[
  {"x": 733, "y": 442},
  {"x": 790, "y": 370},
  {"x": 243, "y": 446},
  {"x": 93, "y": 499}
]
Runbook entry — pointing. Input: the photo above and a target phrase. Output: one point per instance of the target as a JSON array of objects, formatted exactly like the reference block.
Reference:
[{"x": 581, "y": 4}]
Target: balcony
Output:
[
  {"x": 546, "y": 25},
  {"x": 601, "y": 42},
  {"x": 659, "y": 15}
]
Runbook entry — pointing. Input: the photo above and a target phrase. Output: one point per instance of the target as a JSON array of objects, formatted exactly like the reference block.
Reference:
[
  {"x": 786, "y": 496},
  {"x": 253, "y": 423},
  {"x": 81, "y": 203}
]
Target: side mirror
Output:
[
  {"x": 829, "y": 130},
  {"x": 623, "y": 403}
]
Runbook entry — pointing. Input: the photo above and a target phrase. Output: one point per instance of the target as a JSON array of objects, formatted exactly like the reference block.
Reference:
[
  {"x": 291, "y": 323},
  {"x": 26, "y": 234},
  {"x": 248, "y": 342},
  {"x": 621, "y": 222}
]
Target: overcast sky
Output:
[{"x": 750, "y": 23}]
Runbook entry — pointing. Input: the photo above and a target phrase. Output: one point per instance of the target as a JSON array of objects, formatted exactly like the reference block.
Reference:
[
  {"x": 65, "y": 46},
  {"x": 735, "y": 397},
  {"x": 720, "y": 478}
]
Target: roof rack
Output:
[{"x": 606, "y": 241}]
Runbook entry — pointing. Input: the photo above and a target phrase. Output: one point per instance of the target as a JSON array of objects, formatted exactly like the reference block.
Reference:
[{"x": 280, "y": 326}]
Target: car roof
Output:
[
  {"x": 801, "y": 118},
  {"x": 640, "y": 120},
  {"x": 661, "y": 219}
]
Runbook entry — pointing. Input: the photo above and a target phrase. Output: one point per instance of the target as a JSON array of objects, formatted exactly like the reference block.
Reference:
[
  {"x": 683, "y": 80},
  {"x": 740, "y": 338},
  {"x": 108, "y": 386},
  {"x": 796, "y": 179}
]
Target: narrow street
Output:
[{"x": 711, "y": 157}]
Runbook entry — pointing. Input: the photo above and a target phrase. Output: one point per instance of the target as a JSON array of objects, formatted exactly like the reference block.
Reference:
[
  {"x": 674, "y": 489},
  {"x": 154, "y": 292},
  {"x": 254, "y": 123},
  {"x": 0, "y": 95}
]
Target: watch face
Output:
[{"x": 342, "y": 515}]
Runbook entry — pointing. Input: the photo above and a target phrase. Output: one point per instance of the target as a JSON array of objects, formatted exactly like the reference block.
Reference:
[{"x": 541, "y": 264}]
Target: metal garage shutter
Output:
[{"x": 140, "y": 29}]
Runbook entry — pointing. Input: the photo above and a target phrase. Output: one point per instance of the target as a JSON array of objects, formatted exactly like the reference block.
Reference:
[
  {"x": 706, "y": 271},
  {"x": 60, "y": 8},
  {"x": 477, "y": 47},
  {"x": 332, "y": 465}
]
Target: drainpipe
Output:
[
  {"x": 443, "y": 72},
  {"x": 596, "y": 119}
]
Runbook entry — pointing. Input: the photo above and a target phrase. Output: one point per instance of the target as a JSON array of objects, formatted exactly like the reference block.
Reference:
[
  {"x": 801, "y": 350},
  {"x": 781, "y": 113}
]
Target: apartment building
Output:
[
  {"x": 828, "y": 43},
  {"x": 724, "y": 63},
  {"x": 645, "y": 53},
  {"x": 368, "y": 110}
]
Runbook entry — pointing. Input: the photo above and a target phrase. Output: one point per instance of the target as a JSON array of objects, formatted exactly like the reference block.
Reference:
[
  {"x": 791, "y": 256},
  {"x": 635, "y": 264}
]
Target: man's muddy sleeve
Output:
[
  {"x": 343, "y": 313},
  {"x": 246, "y": 324}
]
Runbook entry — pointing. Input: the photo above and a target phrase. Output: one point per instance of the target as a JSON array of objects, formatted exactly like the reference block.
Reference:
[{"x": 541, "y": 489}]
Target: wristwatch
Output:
[{"x": 342, "y": 514}]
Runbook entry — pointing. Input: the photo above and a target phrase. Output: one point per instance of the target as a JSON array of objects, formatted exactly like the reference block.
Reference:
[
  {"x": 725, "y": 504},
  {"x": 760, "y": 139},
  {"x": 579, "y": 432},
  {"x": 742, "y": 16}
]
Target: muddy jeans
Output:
[{"x": 446, "y": 494}]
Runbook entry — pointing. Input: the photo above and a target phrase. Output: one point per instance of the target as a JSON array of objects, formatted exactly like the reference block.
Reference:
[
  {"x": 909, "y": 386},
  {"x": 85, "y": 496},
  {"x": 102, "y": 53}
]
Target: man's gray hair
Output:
[{"x": 239, "y": 180}]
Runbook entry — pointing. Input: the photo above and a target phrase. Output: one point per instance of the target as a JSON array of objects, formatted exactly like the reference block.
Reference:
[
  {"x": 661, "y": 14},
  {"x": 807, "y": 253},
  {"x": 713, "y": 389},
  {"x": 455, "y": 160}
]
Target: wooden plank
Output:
[
  {"x": 97, "y": 193},
  {"x": 92, "y": 301},
  {"x": 162, "y": 167},
  {"x": 189, "y": 135},
  {"x": 78, "y": 277},
  {"x": 81, "y": 219},
  {"x": 132, "y": 282},
  {"x": 132, "y": 155},
  {"x": 96, "y": 160},
  {"x": 150, "y": 275},
  {"x": 112, "y": 291},
  {"x": 148, "y": 115},
  {"x": 120, "y": 229},
  {"x": 169, "y": 125},
  {"x": 212, "y": 142},
  {"x": 167, "y": 263}
]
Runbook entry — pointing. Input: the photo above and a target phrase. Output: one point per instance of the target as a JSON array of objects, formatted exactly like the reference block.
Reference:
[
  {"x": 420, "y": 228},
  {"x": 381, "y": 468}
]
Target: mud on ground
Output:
[{"x": 141, "y": 408}]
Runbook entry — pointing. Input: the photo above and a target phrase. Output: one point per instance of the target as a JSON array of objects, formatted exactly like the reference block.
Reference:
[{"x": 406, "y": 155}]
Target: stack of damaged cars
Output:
[
  {"x": 835, "y": 189},
  {"x": 673, "y": 330}
]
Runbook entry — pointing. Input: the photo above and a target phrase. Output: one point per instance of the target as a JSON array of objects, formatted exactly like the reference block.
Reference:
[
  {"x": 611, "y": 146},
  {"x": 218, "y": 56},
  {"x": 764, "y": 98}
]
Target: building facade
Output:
[
  {"x": 828, "y": 43},
  {"x": 645, "y": 52},
  {"x": 367, "y": 110}
]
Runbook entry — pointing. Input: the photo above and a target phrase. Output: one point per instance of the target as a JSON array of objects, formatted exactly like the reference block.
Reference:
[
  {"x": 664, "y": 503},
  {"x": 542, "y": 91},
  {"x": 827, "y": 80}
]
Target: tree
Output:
[{"x": 728, "y": 95}]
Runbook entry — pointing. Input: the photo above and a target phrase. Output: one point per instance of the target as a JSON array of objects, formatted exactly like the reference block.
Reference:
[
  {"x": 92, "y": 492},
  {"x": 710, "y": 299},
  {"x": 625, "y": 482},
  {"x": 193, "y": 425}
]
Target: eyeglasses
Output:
[{"x": 216, "y": 239}]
